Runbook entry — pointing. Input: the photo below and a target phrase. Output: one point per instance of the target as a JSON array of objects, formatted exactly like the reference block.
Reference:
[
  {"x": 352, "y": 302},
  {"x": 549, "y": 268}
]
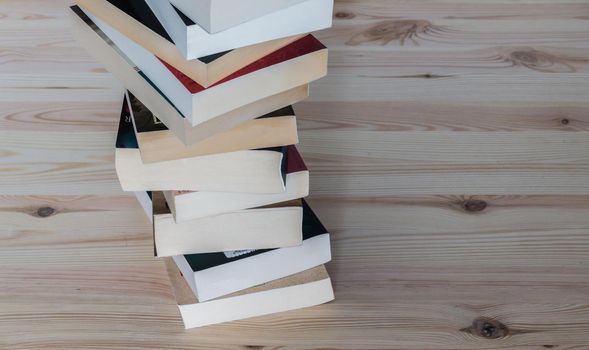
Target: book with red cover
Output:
[
  {"x": 303, "y": 46},
  {"x": 289, "y": 67},
  {"x": 294, "y": 161}
]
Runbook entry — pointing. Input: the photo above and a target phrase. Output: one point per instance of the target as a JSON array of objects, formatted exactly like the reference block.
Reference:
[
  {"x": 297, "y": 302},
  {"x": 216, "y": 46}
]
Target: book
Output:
[
  {"x": 157, "y": 143},
  {"x": 212, "y": 275},
  {"x": 217, "y": 15},
  {"x": 304, "y": 289},
  {"x": 274, "y": 226},
  {"x": 187, "y": 205},
  {"x": 136, "y": 21},
  {"x": 251, "y": 171},
  {"x": 296, "y": 64},
  {"x": 194, "y": 41},
  {"x": 98, "y": 45}
]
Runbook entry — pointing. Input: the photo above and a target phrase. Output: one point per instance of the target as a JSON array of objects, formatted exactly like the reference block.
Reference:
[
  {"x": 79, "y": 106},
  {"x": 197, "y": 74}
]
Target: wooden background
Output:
[{"x": 449, "y": 150}]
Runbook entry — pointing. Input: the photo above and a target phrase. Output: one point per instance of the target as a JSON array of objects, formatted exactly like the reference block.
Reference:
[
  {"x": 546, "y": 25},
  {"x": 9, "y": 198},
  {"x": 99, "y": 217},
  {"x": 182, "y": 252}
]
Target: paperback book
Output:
[
  {"x": 157, "y": 143},
  {"x": 217, "y": 15},
  {"x": 251, "y": 171},
  {"x": 187, "y": 205},
  {"x": 194, "y": 41},
  {"x": 275, "y": 226},
  {"x": 213, "y": 275},
  {"x": 304, "y": 289}
]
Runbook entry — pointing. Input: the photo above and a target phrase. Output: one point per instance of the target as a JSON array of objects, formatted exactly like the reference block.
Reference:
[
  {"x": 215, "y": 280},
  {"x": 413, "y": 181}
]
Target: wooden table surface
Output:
[{"x": 449, "y": 150}]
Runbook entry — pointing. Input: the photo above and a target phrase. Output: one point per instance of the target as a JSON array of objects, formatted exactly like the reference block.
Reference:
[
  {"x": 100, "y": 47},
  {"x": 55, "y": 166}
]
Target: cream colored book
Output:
[
  {"x": 188, "y": 205},
  {"x": 275, "y": 226},
  {"x": 212, "y": 275},
  {"x": 98, "y": 45},
  {"x": 135, "y": 20},
  {"x": 157, "y": 143},
  {"x": 250, "y": 171},
  {"x": 305, "y": 289}
]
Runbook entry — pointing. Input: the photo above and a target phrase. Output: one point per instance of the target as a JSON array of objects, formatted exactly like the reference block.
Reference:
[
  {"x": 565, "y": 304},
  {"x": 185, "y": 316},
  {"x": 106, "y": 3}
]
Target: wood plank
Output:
[
  {"x": 388, "y": 163},
  {"x": 424, "y": 116},
  {"x": 60, "y": 116},
  {"x": 534, "y": 162}
]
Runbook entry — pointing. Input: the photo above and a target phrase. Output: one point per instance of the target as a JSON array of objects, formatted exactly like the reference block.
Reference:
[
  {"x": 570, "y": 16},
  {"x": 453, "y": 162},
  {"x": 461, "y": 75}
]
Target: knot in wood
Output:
[
  {"x": 529, "y": 56},
  {"x": 540, "y": 61},
  {"x": 44, "y": 212},
  {"x": 474, "y": 205},
  {"x": 344, "y": 15},
  {"x": 488, "y": 328},
  {"x": 392, "y": 30},
  {"x": 565, "y": 121}
]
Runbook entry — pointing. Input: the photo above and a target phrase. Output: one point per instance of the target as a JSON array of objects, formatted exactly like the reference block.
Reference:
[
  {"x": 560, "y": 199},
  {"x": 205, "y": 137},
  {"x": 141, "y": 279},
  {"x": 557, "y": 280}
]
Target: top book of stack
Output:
[
  {"x": 217, "y": 15},
  {"x": 244, "y": 23}
]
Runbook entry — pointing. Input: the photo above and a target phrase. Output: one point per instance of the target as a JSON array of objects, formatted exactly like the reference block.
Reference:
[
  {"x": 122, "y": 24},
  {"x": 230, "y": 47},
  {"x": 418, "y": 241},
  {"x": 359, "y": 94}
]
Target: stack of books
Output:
[{"x": 206, "y": 141}]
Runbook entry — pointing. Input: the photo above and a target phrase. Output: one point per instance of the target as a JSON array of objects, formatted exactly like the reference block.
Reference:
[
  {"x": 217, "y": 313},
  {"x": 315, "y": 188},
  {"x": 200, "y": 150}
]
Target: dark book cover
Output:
[
  {"x": 187, "y": 21},
  {"x": 157, "y": 89},
  {"x": 303, "y": 46},
  {"x": 312, "y": 227},
  {"x": 145, "y": 121},
  {"x": 295, "y": 162},
  {"x": 126, "y": 135},
  {"x": 141, "y": 12}
]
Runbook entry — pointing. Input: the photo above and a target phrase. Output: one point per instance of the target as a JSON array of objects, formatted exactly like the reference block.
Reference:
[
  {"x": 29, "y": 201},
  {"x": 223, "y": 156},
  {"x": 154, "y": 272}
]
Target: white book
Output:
[
  {"x": 194, "y": 41},
  {"x": 200, "y": 104},
  {"x": 190, "y": 205},
  {"x": 217, "y": 15},
  {"x": 308, "y": 288},
  {"x": 269, "y": 227},
  {"x": 213, "y": 275}
]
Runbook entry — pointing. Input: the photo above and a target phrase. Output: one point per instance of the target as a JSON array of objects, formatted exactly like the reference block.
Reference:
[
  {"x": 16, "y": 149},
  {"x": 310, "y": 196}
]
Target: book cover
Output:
[{"x": 126, "y": 134}]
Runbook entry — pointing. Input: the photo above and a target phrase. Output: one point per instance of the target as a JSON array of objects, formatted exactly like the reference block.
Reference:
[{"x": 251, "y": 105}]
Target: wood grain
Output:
[{"x": 449, "y": 157}]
